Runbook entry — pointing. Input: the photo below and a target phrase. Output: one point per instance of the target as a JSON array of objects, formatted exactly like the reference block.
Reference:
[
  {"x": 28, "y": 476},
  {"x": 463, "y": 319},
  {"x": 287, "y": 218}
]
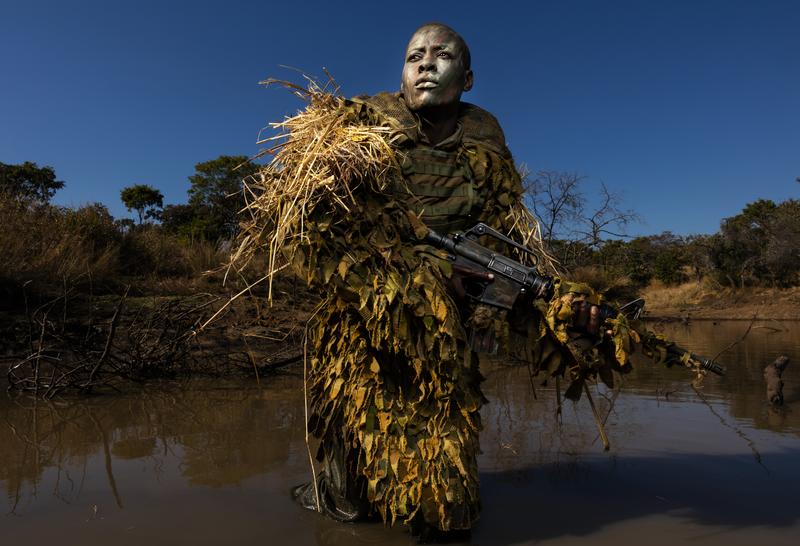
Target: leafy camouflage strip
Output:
[
  {"x": 576, "y": 357},
  {"x": 555, "y": 349},
  {"x": 390, "y": 373},
  {"x": 390, "y": 369},
  {"x": 399, "y": 388}
]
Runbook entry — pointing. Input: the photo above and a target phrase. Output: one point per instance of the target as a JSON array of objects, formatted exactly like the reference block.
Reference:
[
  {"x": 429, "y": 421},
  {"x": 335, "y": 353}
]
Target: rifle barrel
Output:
[{"x": 705, "y": 363}]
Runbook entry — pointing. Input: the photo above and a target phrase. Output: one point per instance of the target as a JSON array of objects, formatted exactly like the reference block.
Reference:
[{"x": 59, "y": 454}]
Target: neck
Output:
[{"x": 438, "y": 123}]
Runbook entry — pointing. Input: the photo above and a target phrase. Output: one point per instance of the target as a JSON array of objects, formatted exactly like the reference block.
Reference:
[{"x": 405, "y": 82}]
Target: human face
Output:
[{"x": 434, "y": 73}]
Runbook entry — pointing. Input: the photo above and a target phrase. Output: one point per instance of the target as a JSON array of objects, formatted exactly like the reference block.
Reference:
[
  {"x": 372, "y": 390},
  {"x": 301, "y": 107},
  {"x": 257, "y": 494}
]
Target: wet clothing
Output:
[{"x": 394, "y": 391}]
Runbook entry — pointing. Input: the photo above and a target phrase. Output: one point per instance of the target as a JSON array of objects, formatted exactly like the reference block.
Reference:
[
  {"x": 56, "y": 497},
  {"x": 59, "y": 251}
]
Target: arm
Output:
[{"x": 511, "y": 282}]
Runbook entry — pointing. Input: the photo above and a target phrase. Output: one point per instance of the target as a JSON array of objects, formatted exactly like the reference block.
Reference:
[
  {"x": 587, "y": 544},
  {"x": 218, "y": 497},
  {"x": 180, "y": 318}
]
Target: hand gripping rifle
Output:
[{"x": 507, "y": 280}]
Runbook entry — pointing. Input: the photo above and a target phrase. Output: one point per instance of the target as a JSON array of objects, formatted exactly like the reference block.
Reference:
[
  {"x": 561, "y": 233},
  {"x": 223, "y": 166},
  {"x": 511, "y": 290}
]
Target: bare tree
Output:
[
  {"x": 557, "y": 202},
  {"x": 608, "y": 219}
]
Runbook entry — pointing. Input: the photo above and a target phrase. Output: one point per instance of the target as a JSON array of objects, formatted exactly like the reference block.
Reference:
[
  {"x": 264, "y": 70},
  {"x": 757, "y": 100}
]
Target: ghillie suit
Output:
[{"x": 394, "y": 388}]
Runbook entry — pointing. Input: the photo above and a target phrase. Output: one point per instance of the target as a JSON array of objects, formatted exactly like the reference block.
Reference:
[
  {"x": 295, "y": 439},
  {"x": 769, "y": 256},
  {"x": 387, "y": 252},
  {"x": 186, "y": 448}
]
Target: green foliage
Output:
[
  {"x": 761, "y": 245},
  {"x": 189, "y": 223},
  {"x": 173, "y": 217},
  {"x": 668, "y": 267},
  {"x": 634, "y": 260},
  {"x": 782, "y": 254},
  {"x": 697, "y": 253},
  {"x": 668, "y": 257},
  {"x": 124, "y": 225},
  {"x": 144, "y": 199},
  {"x": 94, "y": 225},
  {"x": 644, "y": 258},
  {"x": 28, "y": 183},
  {"x": 215, "y": 198},
  {"x": 151, "y": 253}
]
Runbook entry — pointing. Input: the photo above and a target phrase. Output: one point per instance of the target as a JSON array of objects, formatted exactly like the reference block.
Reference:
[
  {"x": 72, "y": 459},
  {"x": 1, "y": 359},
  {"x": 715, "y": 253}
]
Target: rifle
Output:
[{"x": 507, "y": 280}]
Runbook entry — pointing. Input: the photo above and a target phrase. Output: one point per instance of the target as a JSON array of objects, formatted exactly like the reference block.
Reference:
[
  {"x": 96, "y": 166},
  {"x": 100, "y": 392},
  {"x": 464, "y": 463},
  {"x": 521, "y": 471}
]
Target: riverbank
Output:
[
  {"x": 82, "y": 342},
  {"x": 702, "y": 301}
]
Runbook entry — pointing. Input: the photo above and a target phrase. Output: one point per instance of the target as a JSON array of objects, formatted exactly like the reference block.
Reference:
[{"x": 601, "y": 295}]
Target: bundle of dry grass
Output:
[
  {"x": 319, "y": 154},
  {"x": 326, "y": 154},
  {"x": 529, "y": 232}
]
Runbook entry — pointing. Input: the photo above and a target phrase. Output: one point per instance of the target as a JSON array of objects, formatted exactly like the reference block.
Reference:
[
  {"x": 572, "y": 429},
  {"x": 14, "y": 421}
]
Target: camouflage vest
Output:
[{"x": 438, "y": 182}]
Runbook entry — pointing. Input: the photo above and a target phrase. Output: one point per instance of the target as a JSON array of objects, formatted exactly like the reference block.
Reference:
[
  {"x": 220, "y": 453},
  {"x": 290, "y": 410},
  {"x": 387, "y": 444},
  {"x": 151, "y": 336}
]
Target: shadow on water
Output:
[
  {"x": 687, "y": 497},
  {"x": 726, "y": 492}
]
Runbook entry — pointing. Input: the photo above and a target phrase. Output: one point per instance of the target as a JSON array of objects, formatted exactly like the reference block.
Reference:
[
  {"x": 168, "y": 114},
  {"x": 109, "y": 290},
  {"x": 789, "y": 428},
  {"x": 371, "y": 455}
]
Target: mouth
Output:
[{"x": 426, "y": 84}]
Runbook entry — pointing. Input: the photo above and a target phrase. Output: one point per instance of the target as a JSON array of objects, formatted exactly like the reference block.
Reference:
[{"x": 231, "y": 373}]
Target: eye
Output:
[
  {"x": 413, "y": 57},
  {"x": 445, "y": 55}
]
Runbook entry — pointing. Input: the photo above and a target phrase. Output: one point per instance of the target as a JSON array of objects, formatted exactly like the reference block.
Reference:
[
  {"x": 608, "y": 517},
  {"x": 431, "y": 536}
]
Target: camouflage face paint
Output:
[{"x": 434, "y": 73}]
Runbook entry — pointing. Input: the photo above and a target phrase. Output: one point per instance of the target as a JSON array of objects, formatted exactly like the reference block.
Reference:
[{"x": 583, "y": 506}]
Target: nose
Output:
[{"x": 427, "y": 64}]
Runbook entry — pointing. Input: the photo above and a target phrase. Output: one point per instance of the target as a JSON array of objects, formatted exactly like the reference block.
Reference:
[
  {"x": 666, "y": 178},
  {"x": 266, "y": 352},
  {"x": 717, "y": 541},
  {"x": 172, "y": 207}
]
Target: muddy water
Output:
[{"x": 211, "y": 462}]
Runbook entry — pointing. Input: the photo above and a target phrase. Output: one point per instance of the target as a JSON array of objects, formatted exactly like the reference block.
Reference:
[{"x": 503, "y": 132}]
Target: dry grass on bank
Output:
[
  {"x": 708, "y": 300},
  {"x": 47, "y": 249},
  {"x": 704, "y": 299}
]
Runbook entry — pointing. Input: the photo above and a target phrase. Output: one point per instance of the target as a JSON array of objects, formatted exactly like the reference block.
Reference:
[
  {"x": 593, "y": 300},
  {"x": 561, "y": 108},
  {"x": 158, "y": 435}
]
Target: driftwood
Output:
[
  {"x": 141, "y": 340},
  {"x": 87, "y": 354},
  {"x": 772, "y": 376}
]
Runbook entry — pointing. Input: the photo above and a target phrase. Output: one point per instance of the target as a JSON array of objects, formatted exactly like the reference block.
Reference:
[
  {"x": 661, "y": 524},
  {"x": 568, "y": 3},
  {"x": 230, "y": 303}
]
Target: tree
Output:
[
  {"x": 94, "y": 225},
  {"x": 29, "y": 183},
  {"x": 571, "y": 229},
  {"x": 668, "y": 265},
  {"x": 633, "y": 259},
  {"x": 607, "y": 219},
  {"x": 698, "y": 254},
  {"x": 216, "y": 193},
  {"x": 560, "y": 205},
  {"x": 782, "y": 254},
  {"x": 183, "y": 220},
  {"x": 144, "y": 199},
  {"x": 759, "y": 245},
  {"x": 557, "y": 201}
]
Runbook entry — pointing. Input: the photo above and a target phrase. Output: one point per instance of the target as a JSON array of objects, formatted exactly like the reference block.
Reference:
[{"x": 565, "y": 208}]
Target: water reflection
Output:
[
  {"x": 748, "y": 347},
  {"x": 212, "y": 461},
  {"x": 221, "y": 435}
]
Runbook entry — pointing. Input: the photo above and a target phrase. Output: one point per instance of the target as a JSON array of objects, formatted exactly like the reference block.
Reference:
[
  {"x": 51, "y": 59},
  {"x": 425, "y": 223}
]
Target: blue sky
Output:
[{"x": 688, "y": 109}]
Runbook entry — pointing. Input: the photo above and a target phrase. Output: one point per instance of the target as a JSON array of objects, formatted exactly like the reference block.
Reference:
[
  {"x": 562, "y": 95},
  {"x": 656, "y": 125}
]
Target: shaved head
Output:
[
  {"x": 436, "y": 69},
  {"x": 466, "y": 58}
]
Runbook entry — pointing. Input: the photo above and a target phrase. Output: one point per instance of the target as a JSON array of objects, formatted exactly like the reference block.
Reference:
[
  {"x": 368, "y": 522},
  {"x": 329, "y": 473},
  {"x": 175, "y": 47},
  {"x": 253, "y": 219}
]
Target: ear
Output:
[{"x": 468, "y": 80}]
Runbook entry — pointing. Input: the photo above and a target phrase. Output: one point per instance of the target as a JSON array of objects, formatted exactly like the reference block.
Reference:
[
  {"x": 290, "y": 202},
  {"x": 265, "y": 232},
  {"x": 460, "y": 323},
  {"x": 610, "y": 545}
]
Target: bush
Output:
[
  {"x": 150, "y": 252},
  {"x": 52, "y": 247},
  {"x": 761, "y": 245},
  {"x": 49, "y": 245}
]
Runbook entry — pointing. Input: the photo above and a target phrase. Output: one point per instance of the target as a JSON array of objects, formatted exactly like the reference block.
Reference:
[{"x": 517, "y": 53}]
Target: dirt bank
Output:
[{"x": 704, "y": 301}]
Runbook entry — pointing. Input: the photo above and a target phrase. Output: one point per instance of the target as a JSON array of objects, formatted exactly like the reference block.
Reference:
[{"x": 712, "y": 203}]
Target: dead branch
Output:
[
  {"x": 772, "y": 377},
  {"x": 738, "y": 341}
]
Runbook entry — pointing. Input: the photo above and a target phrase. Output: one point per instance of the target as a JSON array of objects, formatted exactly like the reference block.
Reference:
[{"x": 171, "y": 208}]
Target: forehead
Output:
[{"x": 434, "y": 37}]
